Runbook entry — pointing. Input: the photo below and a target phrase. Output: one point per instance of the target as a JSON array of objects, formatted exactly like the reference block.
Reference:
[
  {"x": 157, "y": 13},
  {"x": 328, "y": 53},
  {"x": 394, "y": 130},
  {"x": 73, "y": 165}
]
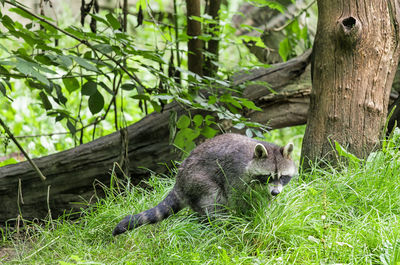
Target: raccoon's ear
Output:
[
  {"x": 287, "y": 150},
  {"x": 260, "y": 151}
]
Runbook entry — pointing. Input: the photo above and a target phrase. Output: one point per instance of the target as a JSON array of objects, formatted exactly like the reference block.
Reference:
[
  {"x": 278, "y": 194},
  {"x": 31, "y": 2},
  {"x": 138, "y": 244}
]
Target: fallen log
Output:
[{"x": 72, "y": 174}]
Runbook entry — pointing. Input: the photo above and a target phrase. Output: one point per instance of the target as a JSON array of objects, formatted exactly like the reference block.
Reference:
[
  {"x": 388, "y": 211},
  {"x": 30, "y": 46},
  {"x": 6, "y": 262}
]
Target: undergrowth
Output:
[{"x": 345, "y": 215}]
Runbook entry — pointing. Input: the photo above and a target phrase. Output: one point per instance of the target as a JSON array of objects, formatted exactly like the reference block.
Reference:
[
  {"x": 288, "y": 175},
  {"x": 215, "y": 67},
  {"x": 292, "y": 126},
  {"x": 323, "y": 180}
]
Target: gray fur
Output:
[{"x": 215, "y": 173}]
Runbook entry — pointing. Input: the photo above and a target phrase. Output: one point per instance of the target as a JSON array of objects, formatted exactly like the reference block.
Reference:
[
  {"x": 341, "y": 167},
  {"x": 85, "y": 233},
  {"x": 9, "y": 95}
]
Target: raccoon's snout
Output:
[{"x": 275, "y": 192}]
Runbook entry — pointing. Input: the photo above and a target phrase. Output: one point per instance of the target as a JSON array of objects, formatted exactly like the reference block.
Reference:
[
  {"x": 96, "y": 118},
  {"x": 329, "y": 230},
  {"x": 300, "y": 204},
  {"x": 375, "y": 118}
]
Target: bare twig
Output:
[
  {"x": 295, "y": 17},
  {"x": 37, "y": 135},
  {"x": 22, "y": 150}
]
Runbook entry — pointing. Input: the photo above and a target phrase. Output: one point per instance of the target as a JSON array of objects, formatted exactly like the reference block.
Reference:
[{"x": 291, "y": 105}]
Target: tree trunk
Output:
[
  {"x": 73, "y": 174},
  {"x": 211, "y": 60},
  {"x": 356, "y": 53},
  {"x": 195, "y": 45}
]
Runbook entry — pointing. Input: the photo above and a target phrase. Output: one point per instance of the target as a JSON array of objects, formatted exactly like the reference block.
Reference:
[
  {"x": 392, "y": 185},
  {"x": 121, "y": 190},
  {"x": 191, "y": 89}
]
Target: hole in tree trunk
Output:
[{"x": 349, "y": 23}]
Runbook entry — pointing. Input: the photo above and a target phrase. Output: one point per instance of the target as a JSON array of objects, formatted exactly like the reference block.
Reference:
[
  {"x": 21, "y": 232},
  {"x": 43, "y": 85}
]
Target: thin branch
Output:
[
  {"x": 295, "y": 17},
  {"x": 22, "y": 150},
  {"x": 84, "y": 42},
  {"x": 38, "y": 135},
  {"x": 95, "y": 122},
  {"x": 55, "y": 78}
]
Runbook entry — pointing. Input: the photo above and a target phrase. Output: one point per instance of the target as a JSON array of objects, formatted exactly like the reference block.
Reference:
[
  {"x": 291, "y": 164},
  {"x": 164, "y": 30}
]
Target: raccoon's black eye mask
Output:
[
  {"x": 264, "y": 178},
  {"x": 285, "y": 179}
]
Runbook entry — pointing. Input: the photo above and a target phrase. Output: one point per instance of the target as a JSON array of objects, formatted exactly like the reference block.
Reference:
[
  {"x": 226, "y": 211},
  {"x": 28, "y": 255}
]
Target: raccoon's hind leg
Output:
[
  {"x": 211, "y": 203},
  {"x": 170, "y": 205}
]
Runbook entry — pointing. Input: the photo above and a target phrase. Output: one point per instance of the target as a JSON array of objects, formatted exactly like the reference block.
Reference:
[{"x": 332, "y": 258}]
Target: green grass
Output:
[{"x": 348, "y": 215}]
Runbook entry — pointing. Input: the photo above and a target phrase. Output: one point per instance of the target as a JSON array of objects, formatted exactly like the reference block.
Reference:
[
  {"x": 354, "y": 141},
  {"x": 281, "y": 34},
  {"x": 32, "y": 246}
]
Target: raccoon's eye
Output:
[{"x": 285, "y": 179}]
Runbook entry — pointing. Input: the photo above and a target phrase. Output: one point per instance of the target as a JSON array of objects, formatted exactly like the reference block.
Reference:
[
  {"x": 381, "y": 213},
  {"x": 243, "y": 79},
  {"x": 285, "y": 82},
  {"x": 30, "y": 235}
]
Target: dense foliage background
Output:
[{"x": 86, "y": 73}]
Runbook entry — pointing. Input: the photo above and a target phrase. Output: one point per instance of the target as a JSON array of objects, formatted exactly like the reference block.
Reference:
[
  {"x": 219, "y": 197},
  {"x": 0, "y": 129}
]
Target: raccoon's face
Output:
[{"x": 274, "y": 168}]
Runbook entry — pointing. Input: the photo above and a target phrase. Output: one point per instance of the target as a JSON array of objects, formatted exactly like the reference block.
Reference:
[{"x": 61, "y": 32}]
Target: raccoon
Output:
[{"x": 215, "y": 173}]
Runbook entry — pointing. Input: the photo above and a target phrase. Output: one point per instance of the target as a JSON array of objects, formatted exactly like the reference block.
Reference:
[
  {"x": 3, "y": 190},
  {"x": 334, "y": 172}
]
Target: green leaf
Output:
[
  {"x": 163, "y": 97},
  {"x": 96, "y": 103},
  {"x": 109, "y": 91},
  {"x": 100, "y": 19},
  {"x": 344, "y": 153},
  {"x": 40, "y": 77},
  {"x": 212, "y": 100},
  {"x": 189, "y": 134},
  {"x": 249, "y": 104},
  {"x": 71, "y": 84},
  {"x": 304, "y": 33},
  {"x": 26, "y": 37},
  {"x": 249, "y": 133},
  {"x": 209, "y": 119},
  {"x": 3, "y": 89},
  {"x": 156, "y": 105},
  {"x": 3, "y": 48},
  {"x": 227, "y": 98},
  {"x": 141, "y": 97},
  {"x": 75, "y": 31},
  {"x": 208, "y": 132},
  {"x": 24, "y": 68},
  {"x": 10, "y": 160},
  {"x": 103, "y": 48},
  {"x": 239, "y": 126},
  {"x": 71, "y": 127},
  {"x": 27, "y": 69},
  {"x": 64, "y": 60},
  {"x": 185, "y": 139},
  {"x": 183, "y": 122},
  {"x": 128, "y": 86},
  {"x": 60, "y": 96},
  {"x": 4, "y": 71},
  {"x": 113, "y": 21},
  {"x": 89, "y": 88},
  {"x": 271, "y": 4},
  {"x": 48, "y": 27},
  {"x": 284, "y": 49},
  {"x": 45, "y": 100},
  {"x": 85, "y": 64},
  {"x": 235, "y": 103},
  {"x": 198, "y": 120},
  {"x": 295, "y": 27},
  {"x": 44, "y": 59}
]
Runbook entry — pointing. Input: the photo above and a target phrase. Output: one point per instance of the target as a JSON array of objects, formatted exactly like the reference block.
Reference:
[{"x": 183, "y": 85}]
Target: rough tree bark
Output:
[
  {"x": 356, "y": 53},
  {"x": 71, "y": 174},
  {"x": 195, "y": 45}
]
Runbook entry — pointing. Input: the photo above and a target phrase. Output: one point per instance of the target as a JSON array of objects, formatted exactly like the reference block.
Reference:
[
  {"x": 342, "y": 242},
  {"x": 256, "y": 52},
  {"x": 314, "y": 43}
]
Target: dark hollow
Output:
[{"x": 349, "y": 22}]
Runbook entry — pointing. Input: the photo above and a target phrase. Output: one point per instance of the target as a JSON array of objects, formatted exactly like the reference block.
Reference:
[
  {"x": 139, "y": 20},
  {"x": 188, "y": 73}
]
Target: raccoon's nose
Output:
[{"x": 274, "y": 192}]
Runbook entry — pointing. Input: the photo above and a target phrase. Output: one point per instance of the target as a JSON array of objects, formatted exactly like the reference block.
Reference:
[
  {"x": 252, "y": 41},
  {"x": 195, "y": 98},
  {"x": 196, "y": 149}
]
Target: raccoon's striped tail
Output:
[{"x": 170, "y": 205}]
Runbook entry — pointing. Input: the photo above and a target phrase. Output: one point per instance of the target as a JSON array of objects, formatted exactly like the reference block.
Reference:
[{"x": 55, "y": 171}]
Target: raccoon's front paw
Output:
[{"x": 122, "y": 226}]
